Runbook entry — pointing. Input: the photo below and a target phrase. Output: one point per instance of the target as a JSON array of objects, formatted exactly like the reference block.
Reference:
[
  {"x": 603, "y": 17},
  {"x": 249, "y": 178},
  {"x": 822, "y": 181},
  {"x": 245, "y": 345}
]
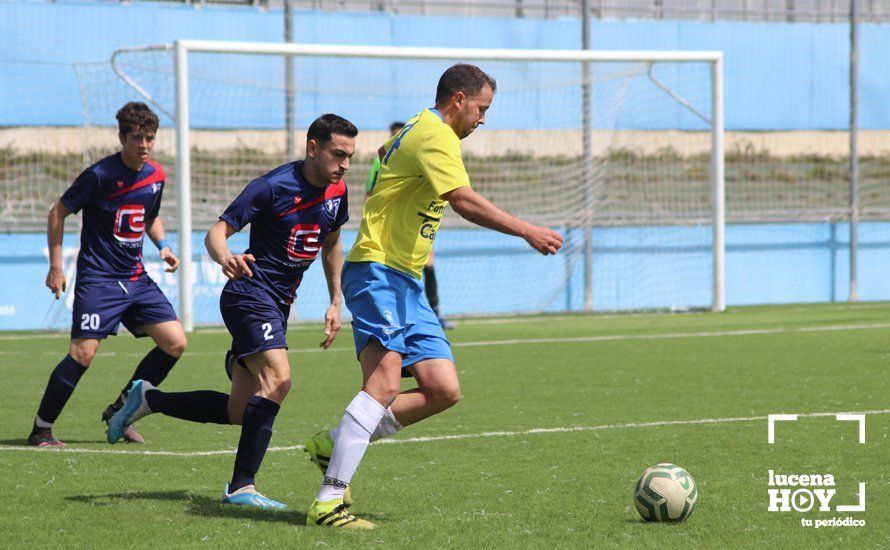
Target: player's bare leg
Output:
[
  {"x": 271, "y": 371},
  {"x": 244, "y": 386},
  {"x": 169, "y": 337},
  {"x": 61, "y": 385},
  {"x": 83, "y": 350},
  {"x": 438, "y": 390},
  {"x": 381, "y": 372}
]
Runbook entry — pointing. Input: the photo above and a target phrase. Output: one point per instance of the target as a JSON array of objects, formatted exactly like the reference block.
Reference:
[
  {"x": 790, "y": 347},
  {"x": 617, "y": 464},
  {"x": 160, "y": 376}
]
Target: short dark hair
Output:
[
  {"x": 136, "y": 115},
  {"x": 465, "y": 78},
  {"x": 396, "y": 126},
  {"x": 328, "y": 124}
]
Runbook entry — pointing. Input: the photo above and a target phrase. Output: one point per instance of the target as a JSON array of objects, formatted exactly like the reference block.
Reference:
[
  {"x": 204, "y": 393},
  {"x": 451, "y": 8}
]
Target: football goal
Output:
[{"x": 620, "y": 151}]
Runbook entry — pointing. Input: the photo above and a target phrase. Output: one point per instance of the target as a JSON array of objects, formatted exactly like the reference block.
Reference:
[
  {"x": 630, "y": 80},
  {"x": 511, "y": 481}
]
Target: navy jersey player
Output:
[
  {"x": 120, "y": 197},
  {"x": 295, "y": 212}
]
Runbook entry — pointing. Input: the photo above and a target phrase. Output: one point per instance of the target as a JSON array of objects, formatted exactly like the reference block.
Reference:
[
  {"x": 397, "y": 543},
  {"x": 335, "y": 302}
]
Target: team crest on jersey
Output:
[{"x": 331, "y": 205}]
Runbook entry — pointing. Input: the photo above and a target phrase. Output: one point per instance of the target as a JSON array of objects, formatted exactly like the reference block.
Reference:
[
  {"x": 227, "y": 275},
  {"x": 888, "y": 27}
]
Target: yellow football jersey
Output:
[{"x": 400, "y": 219}]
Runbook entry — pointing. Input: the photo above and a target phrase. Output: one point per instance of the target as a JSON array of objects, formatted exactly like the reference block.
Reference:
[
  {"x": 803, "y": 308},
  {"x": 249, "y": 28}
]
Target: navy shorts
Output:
[
  {"x": 255, "y": 319},
  {"x": 100, "y": 306}
]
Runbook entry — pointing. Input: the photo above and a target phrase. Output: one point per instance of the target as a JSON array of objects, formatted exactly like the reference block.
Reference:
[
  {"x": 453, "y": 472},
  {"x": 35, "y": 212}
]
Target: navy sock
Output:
[
  {"x": 59, "y": 388},
  {"x": 256, "y": 432},
  {"x": 197, "y": 406},
  {"x": 153, "y": 368}
]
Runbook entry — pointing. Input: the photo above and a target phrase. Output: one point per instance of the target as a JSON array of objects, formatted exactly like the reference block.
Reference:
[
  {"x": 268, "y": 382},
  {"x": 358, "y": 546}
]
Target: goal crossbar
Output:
[{"x": 399, "y": 52}]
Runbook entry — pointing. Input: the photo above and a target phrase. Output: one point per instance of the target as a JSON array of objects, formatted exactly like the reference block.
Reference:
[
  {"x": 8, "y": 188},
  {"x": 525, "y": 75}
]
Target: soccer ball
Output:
[{"x": 665, "y": 492}]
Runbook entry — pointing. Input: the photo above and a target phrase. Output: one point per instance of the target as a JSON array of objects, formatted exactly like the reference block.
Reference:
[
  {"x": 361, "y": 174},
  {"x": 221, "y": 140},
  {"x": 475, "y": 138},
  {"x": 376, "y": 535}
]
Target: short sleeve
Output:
[
  {"x": 342, "y": 212},
  {"x": 254, "y": 198},
  {"x": 81, "y": 191},
  {"x": 156, "y": 206},
  {"x": 162, "y": 177},
  {"x": 440, "y": 162}
]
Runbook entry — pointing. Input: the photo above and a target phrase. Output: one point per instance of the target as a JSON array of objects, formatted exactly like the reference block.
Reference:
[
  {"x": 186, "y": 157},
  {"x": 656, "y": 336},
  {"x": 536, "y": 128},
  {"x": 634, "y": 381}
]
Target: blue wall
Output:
[
  {"x": 778, "y": 76},
  {"x": 483, "y": 272}
]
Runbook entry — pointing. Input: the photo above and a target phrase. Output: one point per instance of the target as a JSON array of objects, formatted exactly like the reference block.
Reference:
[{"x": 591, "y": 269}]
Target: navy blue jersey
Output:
[
  {"x": 117, "y": 204},
  {"x": 290, "y": 219}
]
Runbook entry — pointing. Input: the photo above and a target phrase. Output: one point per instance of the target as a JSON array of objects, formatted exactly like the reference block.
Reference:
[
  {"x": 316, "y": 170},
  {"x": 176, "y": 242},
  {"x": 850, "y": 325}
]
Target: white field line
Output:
[
  {"x": 470, "y": 321},
  {"x": 565, "y": 340},
  {"x": 427, "y": 439},
  {"x": 40, "y": 336},
  {"x": 674, "y": 335}
]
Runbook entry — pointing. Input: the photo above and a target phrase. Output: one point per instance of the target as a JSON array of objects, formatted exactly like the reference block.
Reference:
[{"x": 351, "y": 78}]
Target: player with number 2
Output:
[{"x": 295, "y": 212}]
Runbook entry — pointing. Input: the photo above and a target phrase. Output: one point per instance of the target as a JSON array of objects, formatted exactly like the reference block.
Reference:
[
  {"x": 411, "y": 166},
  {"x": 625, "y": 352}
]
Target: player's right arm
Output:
[
  {"x": 55, "y": 229},
  {"x": 81, "y": 193},
  {"x": 233, "y": 265},
  {"x": 475, "y": 208},
  {"x": 255, "y": 197}
]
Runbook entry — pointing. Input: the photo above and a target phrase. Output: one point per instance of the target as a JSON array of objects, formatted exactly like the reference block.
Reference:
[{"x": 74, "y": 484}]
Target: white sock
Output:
[
  {"x": 361, "y": 418},
  {"x": 41, "y": 423},
  {"x": 388, "y": 426}
]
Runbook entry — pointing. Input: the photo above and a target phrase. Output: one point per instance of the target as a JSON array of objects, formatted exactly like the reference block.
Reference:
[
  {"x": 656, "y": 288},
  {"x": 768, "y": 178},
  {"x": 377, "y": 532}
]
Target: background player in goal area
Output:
[{"x": 120, "y": 197}]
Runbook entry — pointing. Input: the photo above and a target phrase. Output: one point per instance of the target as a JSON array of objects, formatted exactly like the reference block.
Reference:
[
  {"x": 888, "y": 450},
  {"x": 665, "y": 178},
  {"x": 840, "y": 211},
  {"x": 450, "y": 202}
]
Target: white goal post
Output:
[{"x": 713, "y": 123}]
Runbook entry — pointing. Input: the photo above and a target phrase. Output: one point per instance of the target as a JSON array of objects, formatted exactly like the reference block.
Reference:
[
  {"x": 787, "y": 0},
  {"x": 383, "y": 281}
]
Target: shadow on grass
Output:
[
  {"x": 199, "y": 505},
  {"x": 654, "y": 524},
  {"x": 24, "y": 441}
]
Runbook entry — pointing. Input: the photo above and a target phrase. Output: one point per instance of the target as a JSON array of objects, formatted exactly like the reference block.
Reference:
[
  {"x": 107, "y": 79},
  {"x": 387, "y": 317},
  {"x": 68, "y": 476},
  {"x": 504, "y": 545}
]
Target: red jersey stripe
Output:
[
  {"x": 155, "y": 177},
  {"x": 330, "y": 192}
]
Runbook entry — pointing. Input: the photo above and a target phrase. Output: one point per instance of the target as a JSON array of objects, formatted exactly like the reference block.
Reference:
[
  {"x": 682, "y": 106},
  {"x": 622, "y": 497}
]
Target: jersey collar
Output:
[{"x": 437, "y": 113}]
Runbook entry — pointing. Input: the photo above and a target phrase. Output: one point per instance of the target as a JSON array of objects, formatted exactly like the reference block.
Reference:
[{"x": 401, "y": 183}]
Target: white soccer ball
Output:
[{"x": 665, "y": 492}]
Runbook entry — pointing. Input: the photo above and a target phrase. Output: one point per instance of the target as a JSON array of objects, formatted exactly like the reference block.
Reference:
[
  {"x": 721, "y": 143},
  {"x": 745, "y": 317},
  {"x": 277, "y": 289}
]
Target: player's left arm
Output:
[
  {"x": 332, "y": 262},
  {"x": 475, "y": 208},
  {"x": 155, "y": 229}
]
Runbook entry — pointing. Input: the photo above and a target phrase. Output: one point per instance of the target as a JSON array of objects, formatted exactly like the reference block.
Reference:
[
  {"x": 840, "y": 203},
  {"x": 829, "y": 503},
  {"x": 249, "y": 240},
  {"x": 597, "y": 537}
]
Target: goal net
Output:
[{"x": 621, "y": 152}]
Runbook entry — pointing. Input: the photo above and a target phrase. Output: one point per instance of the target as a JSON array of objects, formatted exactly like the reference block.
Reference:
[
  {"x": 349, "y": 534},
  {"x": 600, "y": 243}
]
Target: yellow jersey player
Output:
[
  {"x": 395, "y": 329},
  {"x": 430, "y": 284}
]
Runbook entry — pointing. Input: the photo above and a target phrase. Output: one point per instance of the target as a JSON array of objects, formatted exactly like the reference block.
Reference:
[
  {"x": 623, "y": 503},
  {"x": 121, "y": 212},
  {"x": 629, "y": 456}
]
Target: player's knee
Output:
[
  {"x": 277, "y": 388},
  {"x": 390, "y": 395},
  {"x": 452, "y": 397},
  {"x": 384, "y": 392},
  {"x": 284, "y": 386},
  {"x": 446, "y": 396},
  {"x": 175, "y": 346},
  {"x": 83, "y": 355}
]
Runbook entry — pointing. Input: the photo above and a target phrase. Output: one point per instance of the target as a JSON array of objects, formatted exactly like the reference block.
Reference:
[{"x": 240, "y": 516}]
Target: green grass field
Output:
[{"x": 559, "y": 417}]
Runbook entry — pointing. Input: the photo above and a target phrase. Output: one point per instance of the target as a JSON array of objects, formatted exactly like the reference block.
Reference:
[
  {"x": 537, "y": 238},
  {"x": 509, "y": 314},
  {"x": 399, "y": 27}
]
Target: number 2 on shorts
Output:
[{"x": 267, "y": 331}]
